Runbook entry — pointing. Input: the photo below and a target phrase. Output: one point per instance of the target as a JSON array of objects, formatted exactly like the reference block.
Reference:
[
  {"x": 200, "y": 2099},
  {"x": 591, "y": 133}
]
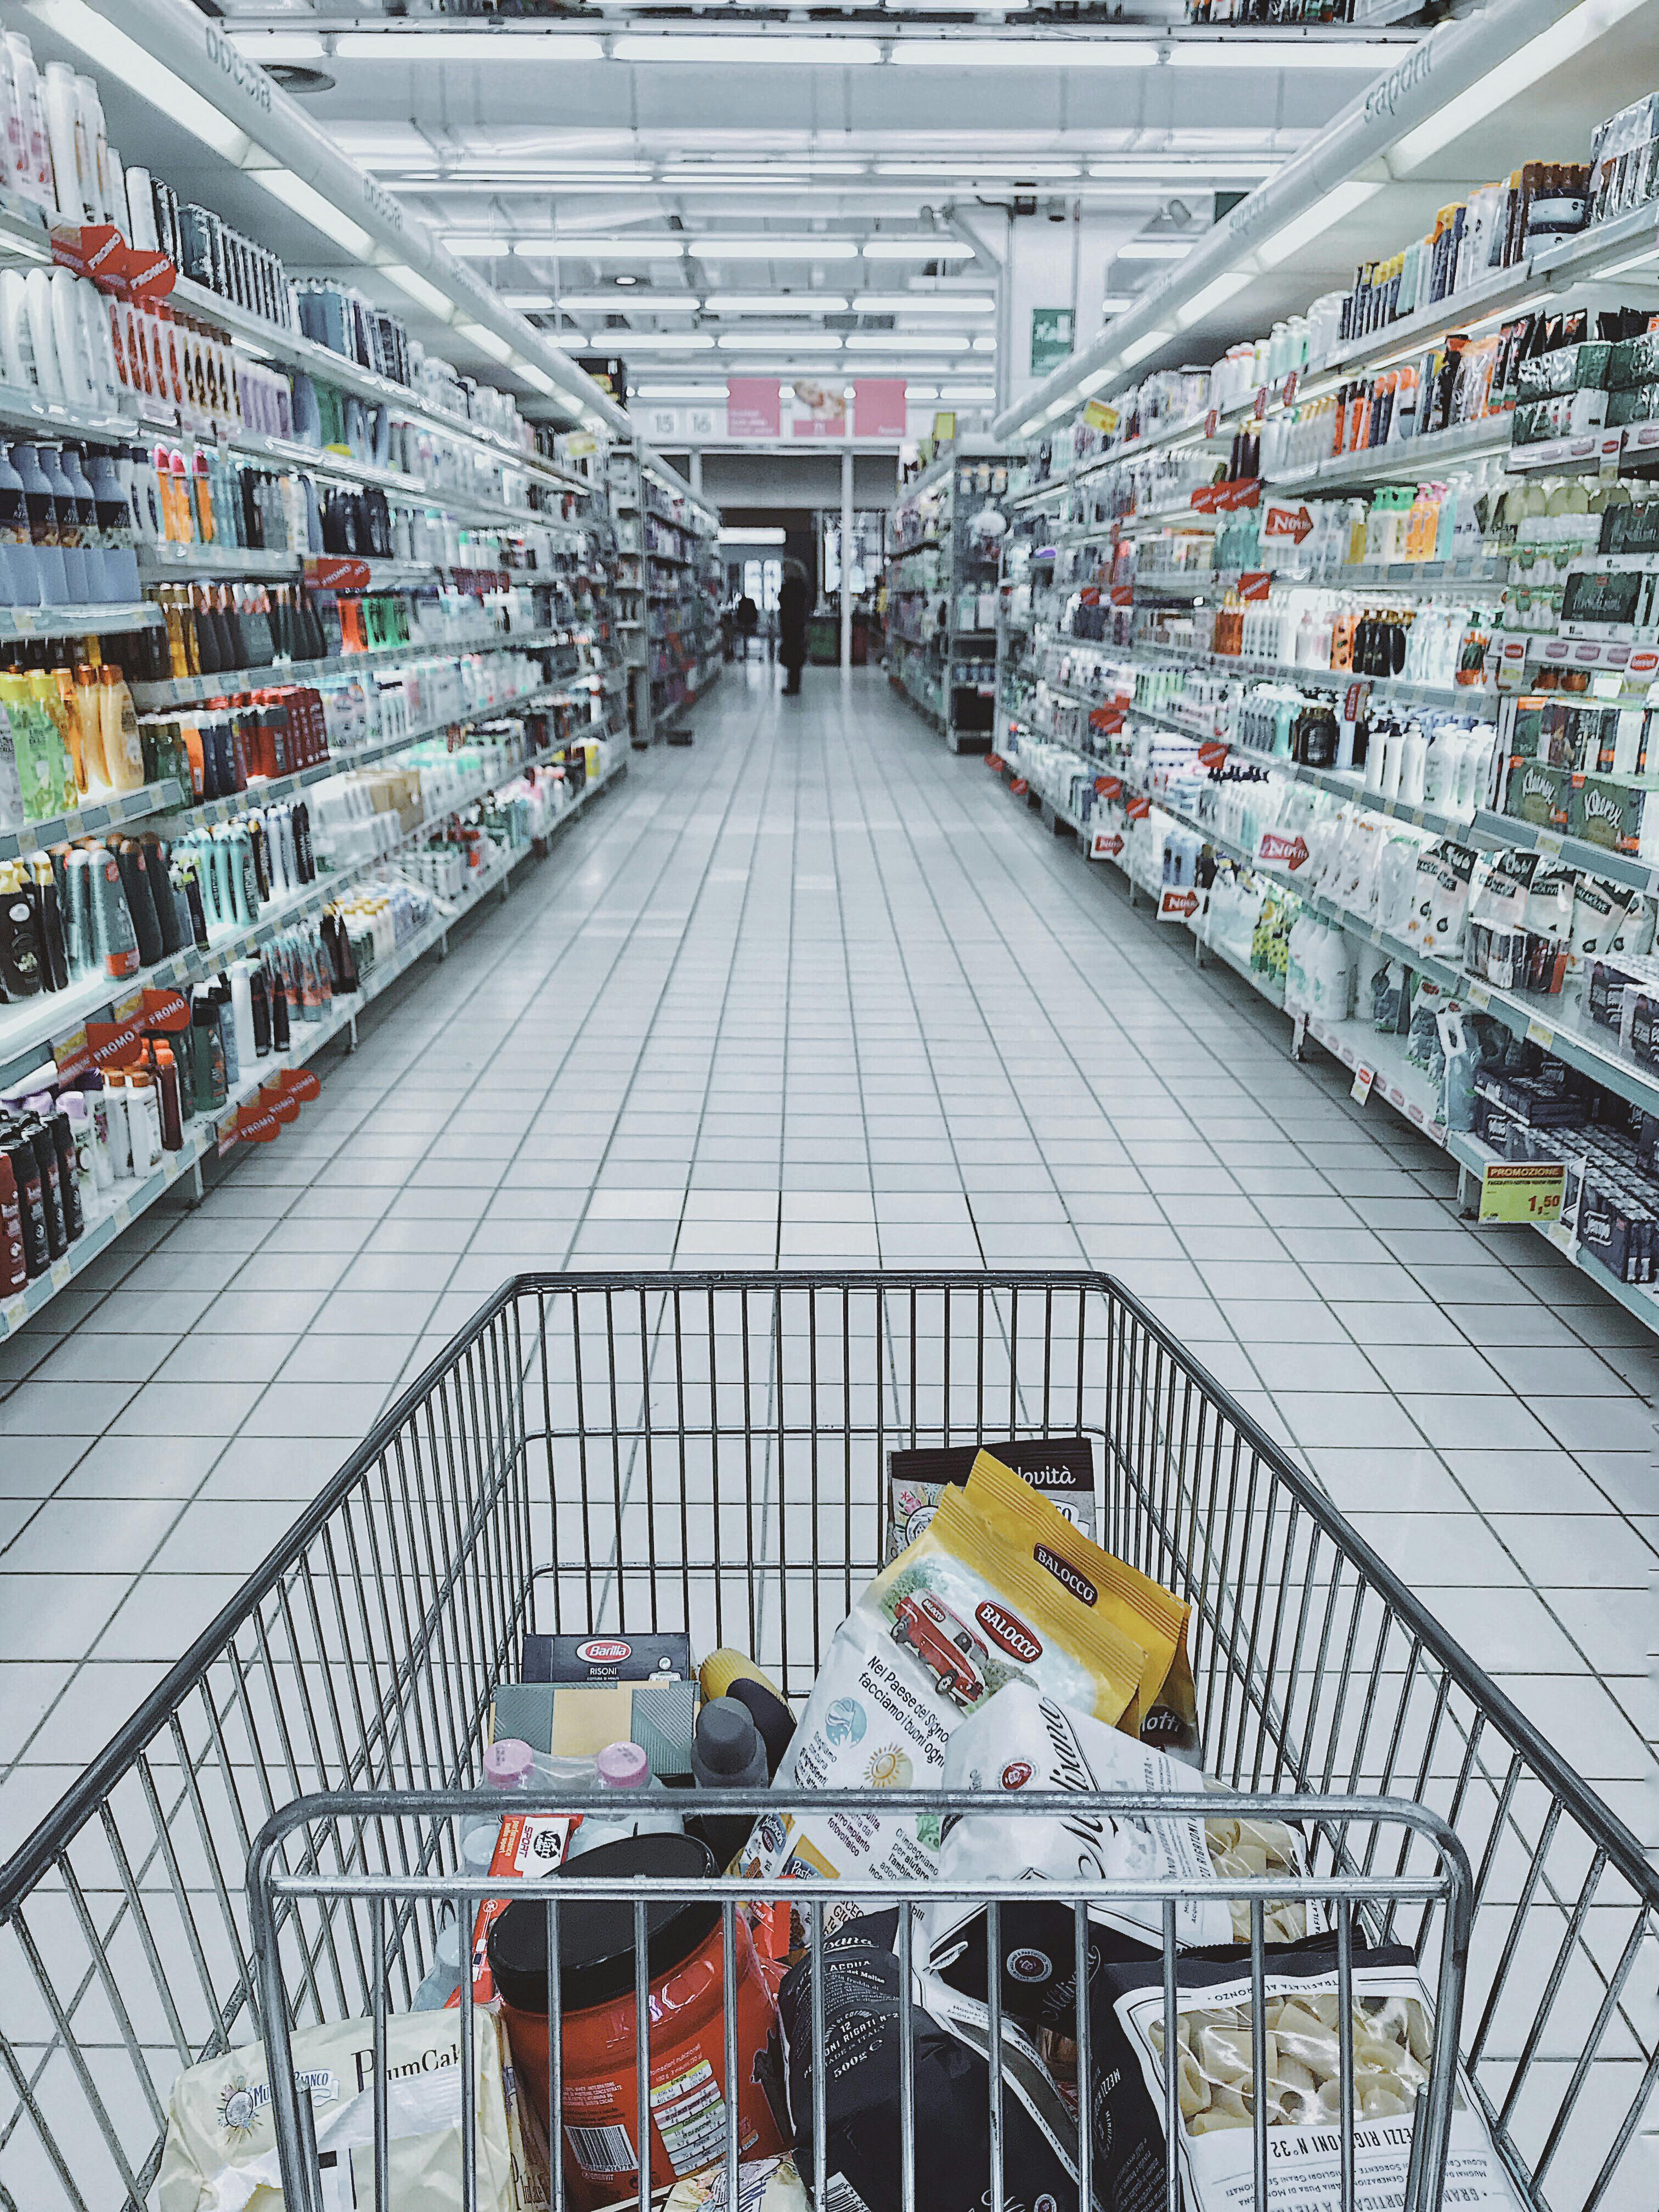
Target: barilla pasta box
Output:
[{"x": 612, "y": 1657}]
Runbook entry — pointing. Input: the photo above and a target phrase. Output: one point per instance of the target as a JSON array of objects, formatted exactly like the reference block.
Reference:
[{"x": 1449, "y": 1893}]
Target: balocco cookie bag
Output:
[
  {"x": 1137, "y": 1607},
  {"x": 957, "y": 1615}
]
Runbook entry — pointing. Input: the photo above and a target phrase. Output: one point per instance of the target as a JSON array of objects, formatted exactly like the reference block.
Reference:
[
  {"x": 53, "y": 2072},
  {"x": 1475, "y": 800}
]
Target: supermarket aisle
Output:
[{"x": 815, "y": 992}]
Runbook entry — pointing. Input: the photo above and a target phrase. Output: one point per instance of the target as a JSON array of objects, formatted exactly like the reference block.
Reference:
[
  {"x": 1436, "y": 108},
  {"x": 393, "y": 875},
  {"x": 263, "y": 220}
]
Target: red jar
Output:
[{"x": 685, "y": 1964}]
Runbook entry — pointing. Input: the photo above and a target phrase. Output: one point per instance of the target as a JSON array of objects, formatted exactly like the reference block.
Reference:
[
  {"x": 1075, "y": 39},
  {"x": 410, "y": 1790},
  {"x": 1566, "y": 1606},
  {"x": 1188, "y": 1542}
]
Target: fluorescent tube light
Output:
[
  {"x": 712, "y": 394},
  {"x": 925, "y": 303},
  {"x": 419, "y": 288},
  {"x": 550, "y": 245},
  {"x": 1117, "y": 303},
  {"x": 777, "y": 342},
  {"x": 528, "y": 303},
  {"x": 776, "y": 303},
  {"x": 709, "y": 247},
  {"x": 264, "y": 46},
  {"x": 984, "y": 343},
  {"x": 622, "y": 301},
  {"x": 533, "y": 375},
  {"x": 917, "y": 249},
  {"x": 1341, "y": 200},
  {"x": 1142, "y": 346},
  {"x": 763, "y": 533},
  {"x": 312, "y": 207},
  {"x": 1025, "y": 53},
  {"x": 1210, "y": 297},
  {"x": 968, "y": 396},
  {"x": 487, "y": 341},
  {"x": 1155, "y": 249},
  {"x": 1092, "y": 382},
  {"x": 121, "y": 60},
  {"x": 905, "y": 341},
  {"x": 476, "y": 245},
  {"x": 1057, "y": 407},
  {"x": 1357, "y": 56},
  {"x": 655, "y": 341},
  {"x": 1183, "y": 168},
  {"x": 1568, "y": 35},
  {"x": 517, "y": 47},
  {"x": 754, "y": 51}
]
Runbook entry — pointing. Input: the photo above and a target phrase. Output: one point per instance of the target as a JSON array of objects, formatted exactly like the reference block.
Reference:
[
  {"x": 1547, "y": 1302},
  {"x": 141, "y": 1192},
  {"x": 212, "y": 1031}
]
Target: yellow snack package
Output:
[
  {"x": 959, "y": 1615},
  {"x": 1140, "y": 1608}
]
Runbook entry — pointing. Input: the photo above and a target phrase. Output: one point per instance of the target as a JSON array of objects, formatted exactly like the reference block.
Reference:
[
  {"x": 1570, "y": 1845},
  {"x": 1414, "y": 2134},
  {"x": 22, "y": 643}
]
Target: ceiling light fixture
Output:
[
  {"x": 776, "y": 303},
  {"x": 311, "y": 206},
  {"x": 658, "y": 341},
  {"x": 711, "y": 247},
  {"x": 486, "y": 341},
  {"x": 1155, "y": 249},
  {"x": 549, "y": 245},
  {"x": 528, "y": 303},
  {"x": 878, "y": 249},
  {"x": 518, "y": 47},
  {"x": 1341, "y": 200},
  {"x": 1210, "y": 297},
  {"x": 263, "y": 46},
  {"x": 627, "y": 303},
  {"x": 925, "y": 303},
  {"x": 1139, "y": 349},
  {"x": 905, "y": 341},
  {"x": 421, "y": 289},
  {"x": 753, "y": 52},
  {"x": 1357, "y": 56},
  {"x": 777, "y": 342},
  {"x": 1025, "y": 53}
]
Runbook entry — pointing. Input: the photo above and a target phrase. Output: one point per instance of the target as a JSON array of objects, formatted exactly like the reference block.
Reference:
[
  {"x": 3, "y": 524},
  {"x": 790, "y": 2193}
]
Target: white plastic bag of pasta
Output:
[
  {"x": 1392, "y": 2027},
  {"x": 221, "y": 2150},
  {"x": 1025, "y": 1740}
]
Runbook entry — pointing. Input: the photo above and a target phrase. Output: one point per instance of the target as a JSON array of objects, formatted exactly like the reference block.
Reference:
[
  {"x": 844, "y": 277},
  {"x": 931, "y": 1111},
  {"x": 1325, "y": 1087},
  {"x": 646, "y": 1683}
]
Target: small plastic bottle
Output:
[
  {"x": 444, "y": 1976},
  {"x": 623, "y": 1769},
  {"x": 509, "y": 1764}
]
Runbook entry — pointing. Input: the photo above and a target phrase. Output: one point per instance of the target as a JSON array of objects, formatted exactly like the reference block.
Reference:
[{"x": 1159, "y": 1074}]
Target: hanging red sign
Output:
[
  {"x": 1089, "y": 596},
  {"x": 300, "y": 1083},
  {"x": 149, "y": 276},
  {"x": 1138, "y": 808},
  {"x": 257, "y": 1125},
  {"x": 1108, "y": 787},
  {"x": 1211, "y": 753},
  {"x": 995, "y": 762},
  {"x": 1261, "y": 399},
  {"x": 1205, "y": 498},
  {"x": 1177, "y": 906},
  {"x": 1254, "y": 583},
  {"x": 165, "y": 1010},
  {"x": 1106, "y": 718},
  {"x": 1019, "y": 787},
  {"x": 1289, "y": 393},
  {"x": 1241, "y": 491},
  {"x": 1123, "y": 595},
  {"x": 1213, "y": 421}
]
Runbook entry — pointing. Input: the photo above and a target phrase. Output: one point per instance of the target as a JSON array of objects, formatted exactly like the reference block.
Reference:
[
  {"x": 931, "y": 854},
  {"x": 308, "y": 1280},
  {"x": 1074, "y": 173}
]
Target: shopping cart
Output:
[{"x": 708, "y": 1453}]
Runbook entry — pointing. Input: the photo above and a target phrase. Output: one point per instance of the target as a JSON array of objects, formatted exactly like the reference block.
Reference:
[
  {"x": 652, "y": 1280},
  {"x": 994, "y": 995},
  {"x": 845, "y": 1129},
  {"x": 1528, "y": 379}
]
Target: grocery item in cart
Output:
[
  {"x": 1024, "y": 1741},
  {"x": 861, "y": 2065},
  {"x": 1145, "y": 1611},
  {"x": 1392, "y": 2047},
  {"x": 764, "y": 2184},
  {"x": 220, "y": 2149},
  {"x": 955, "y": 1617},
  {"x": 685, "y": 1965},
  {"x": 1061, "y": 1467}
]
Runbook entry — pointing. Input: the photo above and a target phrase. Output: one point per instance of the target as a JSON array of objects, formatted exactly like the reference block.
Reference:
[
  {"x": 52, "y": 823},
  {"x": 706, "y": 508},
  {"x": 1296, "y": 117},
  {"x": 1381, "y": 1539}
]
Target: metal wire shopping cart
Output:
[{"x": 653, "y": 1452}]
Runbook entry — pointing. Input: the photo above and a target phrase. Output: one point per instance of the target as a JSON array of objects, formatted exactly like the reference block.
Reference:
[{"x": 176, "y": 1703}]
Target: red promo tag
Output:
[
  {"x": 165, "y": 1010},
  {"x": 1109, "y": 786},
  {"x": 300, "y": 1083},
  {"x": 1212, "y": 752},
  {"x": 336, "y": 572},
  {"x": 1123, "y": 595},
  {"x": 995, "y": 762},
  {"x": 1138, "y": 808},
  {"x": 1019, "y": 787},
  {"x": 1353, "y": 702},
  {"x": 1275, "y": 850},
  {"x": 1106, "y": 718},
  {"x": 1213, "y": 421},
  {"x": 1288, "y": 394},
  {"x": 257, "y": 1125},
  {"x": 1177, "y": 906},
  {"x": 1205, "y": 498},
  {"x": 1261, "y": 399},
  {"x": 1255, "y": 583},
  {"x": 110, "y": 1043},
  {"x": 149, "y": 276},
  {"x": 1089, "y": 596},
  {"x": 91, "y": 249}
]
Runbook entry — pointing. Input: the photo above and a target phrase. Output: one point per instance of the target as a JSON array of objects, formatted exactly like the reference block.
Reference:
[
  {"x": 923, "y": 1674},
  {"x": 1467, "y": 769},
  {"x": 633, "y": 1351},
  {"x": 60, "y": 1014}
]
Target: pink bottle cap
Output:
[
  {"x": 624, "y": 1766},
  {"x": 508, "y": 1764}
]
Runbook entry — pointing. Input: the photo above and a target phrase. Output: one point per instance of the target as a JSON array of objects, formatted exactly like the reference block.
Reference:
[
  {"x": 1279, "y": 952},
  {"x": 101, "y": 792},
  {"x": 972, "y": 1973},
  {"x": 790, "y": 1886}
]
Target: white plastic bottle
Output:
[
  {"x": 623, "y": 1770},
  {"x": 35, "y": 178},
  {"x": 508, "y": 1764},
  {"x": 71, "y": 156}
]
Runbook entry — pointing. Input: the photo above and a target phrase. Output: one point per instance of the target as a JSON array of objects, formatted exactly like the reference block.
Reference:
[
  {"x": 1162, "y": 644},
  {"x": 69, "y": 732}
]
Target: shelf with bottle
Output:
[
  {"x": 209, "y": 1132},
  {"x": 21, "y": 625},
  {"x": 48, "y": 1024},
  {"x": 199, "y": 690}
]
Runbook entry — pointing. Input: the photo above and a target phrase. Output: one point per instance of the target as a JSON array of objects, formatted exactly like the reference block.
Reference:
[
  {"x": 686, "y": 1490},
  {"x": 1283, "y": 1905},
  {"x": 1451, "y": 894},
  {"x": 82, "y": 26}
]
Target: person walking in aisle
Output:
[{"x": 792, "y": 622}]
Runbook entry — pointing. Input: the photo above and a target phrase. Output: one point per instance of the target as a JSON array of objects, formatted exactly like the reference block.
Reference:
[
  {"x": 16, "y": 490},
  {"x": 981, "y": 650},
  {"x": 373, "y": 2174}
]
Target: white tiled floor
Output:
[{"x": 813, "y": 991}]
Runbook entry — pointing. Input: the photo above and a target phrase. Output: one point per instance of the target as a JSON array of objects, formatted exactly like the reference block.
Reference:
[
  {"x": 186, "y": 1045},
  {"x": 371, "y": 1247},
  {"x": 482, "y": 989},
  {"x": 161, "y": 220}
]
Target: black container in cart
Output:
[{"x": 269, "y": 1845}]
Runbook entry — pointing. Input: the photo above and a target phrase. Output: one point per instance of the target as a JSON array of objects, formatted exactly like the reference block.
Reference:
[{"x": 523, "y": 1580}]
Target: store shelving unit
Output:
[
  {"x": 944, "y": 591},
  {"x": 668, "y": 578},
  {"x": 1085, "y": 522}
]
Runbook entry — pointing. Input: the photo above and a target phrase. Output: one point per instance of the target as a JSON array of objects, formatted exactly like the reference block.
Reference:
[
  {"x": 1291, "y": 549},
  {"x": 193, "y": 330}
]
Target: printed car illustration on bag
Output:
[{"x": 944, "y": 1644}]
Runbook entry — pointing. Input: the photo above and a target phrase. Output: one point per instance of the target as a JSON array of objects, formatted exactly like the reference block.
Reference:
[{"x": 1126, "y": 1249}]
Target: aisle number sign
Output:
[
  {"x": 1051, "y": 338},
  {"x": 1522, "y": 1190}
]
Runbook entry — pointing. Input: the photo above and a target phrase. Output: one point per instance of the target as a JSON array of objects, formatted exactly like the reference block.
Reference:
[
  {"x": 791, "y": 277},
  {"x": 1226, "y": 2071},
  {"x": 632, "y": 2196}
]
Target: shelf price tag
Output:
[
  {"x": 1522, "y": 1190},
  {"x": 1538, "y": 1034},
  {"x": 1360, "y": 1088}
]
